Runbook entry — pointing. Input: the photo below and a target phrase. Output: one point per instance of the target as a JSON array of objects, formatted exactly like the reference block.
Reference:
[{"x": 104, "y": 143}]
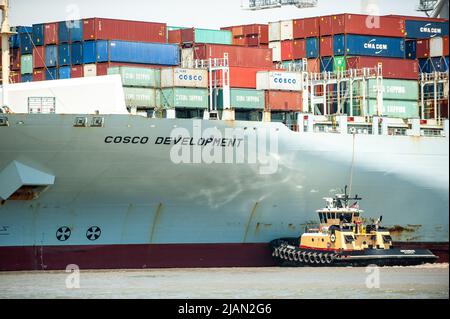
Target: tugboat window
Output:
[
  {"x": 333, "y": 215},
  {"x": 321, "y": 217},
  {"x": 387, "y": 239},
  {"x": 349, "y": 239},
  {"x": 347, "y": 218}
]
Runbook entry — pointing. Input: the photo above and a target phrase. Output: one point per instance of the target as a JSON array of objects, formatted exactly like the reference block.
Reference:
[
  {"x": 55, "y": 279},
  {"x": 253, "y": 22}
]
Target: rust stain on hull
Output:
[
  {"x": 252, "y": 215},
  {"x": 155, "y": 221}
]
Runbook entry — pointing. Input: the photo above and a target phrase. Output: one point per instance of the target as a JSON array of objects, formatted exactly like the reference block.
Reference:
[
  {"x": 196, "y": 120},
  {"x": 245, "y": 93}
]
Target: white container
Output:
[
  {"x": 436, "y": 47},
  {"x": 179, "y": 77},
  {"x": 279, "y": 81},
  {"x": 187, "y": 58},
  {"x": 276, "y": 51},
  {"x": 287, "y": 30},
  {"x": 90, "y": 70},
  {"x": 274, "y": 31}
]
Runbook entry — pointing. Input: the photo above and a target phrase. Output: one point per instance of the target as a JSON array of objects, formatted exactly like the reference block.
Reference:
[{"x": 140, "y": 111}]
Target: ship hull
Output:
[{"x": 214, "y": 214}]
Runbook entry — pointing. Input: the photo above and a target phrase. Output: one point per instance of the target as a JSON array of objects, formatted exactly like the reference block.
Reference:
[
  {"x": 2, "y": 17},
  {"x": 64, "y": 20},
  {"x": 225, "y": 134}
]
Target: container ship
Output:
[{"x": 129, "y": 144}]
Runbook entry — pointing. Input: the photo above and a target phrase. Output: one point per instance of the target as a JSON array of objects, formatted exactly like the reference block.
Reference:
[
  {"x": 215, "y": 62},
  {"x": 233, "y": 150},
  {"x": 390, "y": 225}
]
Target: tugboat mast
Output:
[{"x": 5, "y": 34}]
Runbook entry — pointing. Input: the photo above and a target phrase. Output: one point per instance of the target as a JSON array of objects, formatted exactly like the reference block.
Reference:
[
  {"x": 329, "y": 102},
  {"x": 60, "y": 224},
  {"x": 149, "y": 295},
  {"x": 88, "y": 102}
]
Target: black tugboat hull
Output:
[{"x": 288, "y": 255}]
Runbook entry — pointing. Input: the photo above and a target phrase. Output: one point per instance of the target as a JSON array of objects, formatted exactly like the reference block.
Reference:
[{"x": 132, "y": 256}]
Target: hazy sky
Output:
[{"x": 199, "y": 13}]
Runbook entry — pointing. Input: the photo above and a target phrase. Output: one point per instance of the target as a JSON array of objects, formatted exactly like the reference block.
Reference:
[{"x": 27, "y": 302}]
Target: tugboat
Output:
[{"x": 343, "y": 239}]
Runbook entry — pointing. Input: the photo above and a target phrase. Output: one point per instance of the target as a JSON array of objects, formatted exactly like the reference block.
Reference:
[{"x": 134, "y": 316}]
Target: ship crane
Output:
[
  {"x": 434, "y": 8},
  {"x": 272, "y": 4}
]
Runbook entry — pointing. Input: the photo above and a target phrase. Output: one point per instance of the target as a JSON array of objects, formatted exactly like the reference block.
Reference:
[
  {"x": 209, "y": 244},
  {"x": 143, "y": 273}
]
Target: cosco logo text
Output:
[
  {"x": 126, "y": 140},
  {"x": 190, "y": 77},
  {"x": 285, "y": 81}
]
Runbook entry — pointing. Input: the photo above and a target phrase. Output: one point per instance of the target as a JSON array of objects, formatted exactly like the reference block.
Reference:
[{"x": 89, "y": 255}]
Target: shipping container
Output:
[
  {"x": 15, "y": 59},
  {"x": 369, "y": 46},
  {"x": 193, "y": 35},
  {"x": 102, "y": 68},
  {"x": 374, "y": 26},
  {"x": 244, "y": 78},
  {"x": 425, "y": 65},
  {"x": 38, "y": 75},
  {"x": 287, "y": 50},
  {"x": 287, "y": 30},
  {"x": 237, "y": 56},
  {"x": 411, "y": 49},
  {"x": 313, "y": 65},
  {"x": 138, "y": 77},
  {"x": 181, "y": 77},
  {"x": 63, "y": 32},
  {"x": 76, "y": 71},
  {"x": 339, "y": 64},
  {"x": 15, "y": 40},
  {"x": 326, "y": 25},
  {"x": 405, "y": 90},
  {"x": 243, "y": 99},
  {"x": 312, "y": 47},
  {"x": 436, "y": 47},
  {"x": 174, "y": 37},
  {"x": 423, "y": 48},
  {"x": 283, "y": 81},
  {"x": 276, "y": 51},
  {"x": 51, "y": 33},
  {"x": 439, "y": 64},
  {"x": 274, "y": 31},
  {"x": 184, "y": 98},
  {"x": 392, "y": 68},
  {"x": 416, "y": 29},
  {"x": 51, "y": 56},
  {"x": 51, "y": 74},
  {"x": 299, "y": 49},
  {"x": 64, "y": 54},
  {"x": 446, "y": 48},
  {"x": 306, "y": 28},
  {"x": 89, "y": 70},
  {"x": 39, "y": 57},
  {"x": 15, "y": 77},
  {"x": 26, "y": 44},
  {"x": 326, "y": 46},
  {"x": 76, "y": 53},
  {"x": 110, "y": 29},
  {"x": 326, "y": 64},
  {"x": 145, "y": 53},
  {"x": 395, "y": 108},
  {"x": 26, "y": 64},
  {"x": 38, "y": 34},
  {"x": 142, "y": 97},
  {"x": 257, "y": 29},
  {"x": 64, "y": 72},
  {"x": 26, "y": 78},
  {"x": 283, "y": 101},
  {"x": 237, "y": 31},
  {"x": 95, "y": 51},
  {"x": 76, "y": 31}
]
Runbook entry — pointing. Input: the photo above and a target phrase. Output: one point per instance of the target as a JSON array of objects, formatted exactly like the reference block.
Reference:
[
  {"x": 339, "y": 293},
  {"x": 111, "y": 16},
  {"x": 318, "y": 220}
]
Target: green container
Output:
[
  {"x": 339, "y": 64},
  {"x": 405, "y": 90},
  {"x": 184, "y": 98},
  {"x": 396, "y": 108},
  {"x": 213, "y": 36},
  {"x": 26, "y": 64},
  {"x": 138, "y": 77},
  {"x": 141, "y": 97},
  {"x": 243, "y": 99}
]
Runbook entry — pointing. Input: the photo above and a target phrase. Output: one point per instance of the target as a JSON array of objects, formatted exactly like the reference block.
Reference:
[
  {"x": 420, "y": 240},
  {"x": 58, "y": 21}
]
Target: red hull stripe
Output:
[{"x": 326, "y": 249}]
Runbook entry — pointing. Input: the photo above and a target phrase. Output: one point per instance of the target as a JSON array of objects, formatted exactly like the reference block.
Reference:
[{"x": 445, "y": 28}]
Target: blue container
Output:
[
  {"x": 26, "y": 78},
  {"x": 145, "y": 53},
  {"x": 64, "y": 54},
  {"x": 411, "y": 49},
  {"x": 63, "y": 32},
  {"x": 369, "y": 46},
  {"x": 26, "y": 43},
  {"x": 51, "y": 56},
  {"x": 38, "y": 34},
  {"x": 51, "y": 74},
  {"x": 326, "y": 64},
  {"x": 64, "y": 72},
  {"x": 14, "y": 41},
  {"x": 76, "y": 53},
  {"x": 95, "y": 51},
  {"x": 76, "y": 31},
  {"x": 439, "y": 64},
  {"x": 312, "y": 47},
  {"x": 424, "y": 66},
  {"x": 425, "y": 29}
]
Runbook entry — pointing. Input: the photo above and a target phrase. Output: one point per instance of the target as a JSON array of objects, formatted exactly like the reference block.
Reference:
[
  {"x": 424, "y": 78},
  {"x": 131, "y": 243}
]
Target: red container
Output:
[
  {"x": 38, "y": 75},
  {"x": 51, "y": 33},
  {"x": 76, "y": 72},
  {"x": 110, "y": 29},
  {"x": 392, "y": 68},
  {"x": 243, "y": 78},
  {"x": 299, "y": 49},
  {"x": 314, "y": 65},
  {"x": 15, "y": 77},
  {"x": 445, "y": 45},
  {"x": 188, "y": 35},
  {"x": 368, "y": 25},
  {"x": 284, "y": 101},
  {"x": 174, "y": 37},
  {"x": 39, "y": 57},
  {"x": 237, "y": 31},
  {"x": 102, "y": 68},
  {"x": 326, "y": 25},
  {"x": 306, "y": 28},
  {"x": 15, "y": 59},
  {"x": 326, "y": 46},
  {"x": 252, "y": 40},
  {"x": 258, "y": 29},
  {"x": 423, "y": 48},
  {"x": 237, "y": 56},
  {"x": 287, "y": 50},
  {"x": 240, "y": 41}
]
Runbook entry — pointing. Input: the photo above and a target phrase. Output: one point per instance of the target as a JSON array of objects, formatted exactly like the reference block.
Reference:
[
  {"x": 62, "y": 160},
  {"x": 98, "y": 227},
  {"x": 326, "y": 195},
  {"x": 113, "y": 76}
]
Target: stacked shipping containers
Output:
[{"x": 251, "y": 35}]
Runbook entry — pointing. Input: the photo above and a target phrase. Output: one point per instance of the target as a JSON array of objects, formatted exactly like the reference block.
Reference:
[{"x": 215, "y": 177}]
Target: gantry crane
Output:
[
  {"x": 434, "y": 8},
  {"x": 271, "y": 4}
]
